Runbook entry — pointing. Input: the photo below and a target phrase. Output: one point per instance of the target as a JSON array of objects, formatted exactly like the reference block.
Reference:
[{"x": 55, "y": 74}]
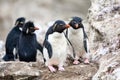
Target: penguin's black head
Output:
[
  {"x": 29, "y": 27},
  {"x": 20, "y": 22},
  {"x": 76, "y": 23},
  {"x": 60, "y": 26}
]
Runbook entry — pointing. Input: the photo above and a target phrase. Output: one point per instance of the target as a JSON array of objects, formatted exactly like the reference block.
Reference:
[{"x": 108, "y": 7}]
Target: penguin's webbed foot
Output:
[
  {"x": 52, "y": 69},
  {"x": 86, "y": 61},
  {"x": 76, "y": 62},
  {"x": 61, "y": 68}
]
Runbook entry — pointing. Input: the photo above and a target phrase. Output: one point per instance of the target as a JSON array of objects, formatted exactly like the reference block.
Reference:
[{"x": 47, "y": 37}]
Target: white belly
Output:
[
  {"x": 76, "y": 38},
  {"x": 59, "y": 45}
]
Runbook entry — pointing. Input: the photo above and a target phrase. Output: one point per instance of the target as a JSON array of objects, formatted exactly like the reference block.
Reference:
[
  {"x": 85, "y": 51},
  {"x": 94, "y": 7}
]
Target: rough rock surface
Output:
[
  {"x": 104, "y": 20},
  {"x": 37, "y": 71},
  {"x": 18, "y": 71}
]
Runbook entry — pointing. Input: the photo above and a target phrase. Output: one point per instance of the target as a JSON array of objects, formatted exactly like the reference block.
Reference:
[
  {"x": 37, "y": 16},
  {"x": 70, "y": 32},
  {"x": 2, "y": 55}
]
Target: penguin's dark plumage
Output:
[
  {"x": 78, "y": 39},
  {"x": 54, "y": 46},
  {"x": 76, "y": 23},
  {"x": 28, "y": 45},
  {"x": 12, "y": 39}
]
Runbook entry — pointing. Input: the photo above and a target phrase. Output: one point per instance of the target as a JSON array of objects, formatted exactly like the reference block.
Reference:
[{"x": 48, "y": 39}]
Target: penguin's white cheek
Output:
[
  {"x": 27, "y": 30},
  {"x": 20, "y": 29}
]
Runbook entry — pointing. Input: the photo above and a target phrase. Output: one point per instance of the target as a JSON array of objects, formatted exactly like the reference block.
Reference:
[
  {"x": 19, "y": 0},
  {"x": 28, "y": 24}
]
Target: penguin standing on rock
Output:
[
  {"x": 55, "y": 45},
  {"x": 28, "y": 45},
  {"x": 12, "y": 39},
  {"x": 78, "y": 39}
]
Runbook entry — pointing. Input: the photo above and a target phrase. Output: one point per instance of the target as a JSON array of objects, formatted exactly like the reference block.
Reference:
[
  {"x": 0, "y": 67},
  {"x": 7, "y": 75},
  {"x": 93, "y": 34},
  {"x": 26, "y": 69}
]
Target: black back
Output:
[
  {"x": 28, "y": 45},
  {"x": 12, "y": 39}
]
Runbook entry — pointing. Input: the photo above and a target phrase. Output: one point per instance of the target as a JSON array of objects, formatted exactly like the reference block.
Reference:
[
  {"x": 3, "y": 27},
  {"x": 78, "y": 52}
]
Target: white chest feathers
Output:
[
  {"x": 59, "y": 46},
  {"x": 76, "y": 37},
  {"x": 58, "y": 42}
]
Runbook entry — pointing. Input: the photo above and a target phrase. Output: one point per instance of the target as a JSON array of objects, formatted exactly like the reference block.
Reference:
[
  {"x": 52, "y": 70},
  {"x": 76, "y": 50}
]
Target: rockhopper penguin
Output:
[
  {"x": 78, "y": 39},
  {"x": 55, "y": 45},
  {"x": 28, "y": 45},
  {"x": 12, "y": 39}
]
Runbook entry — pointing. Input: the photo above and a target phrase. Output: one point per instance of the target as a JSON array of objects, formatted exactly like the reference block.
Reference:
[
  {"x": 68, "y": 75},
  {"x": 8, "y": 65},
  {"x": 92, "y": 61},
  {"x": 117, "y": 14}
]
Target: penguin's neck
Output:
[
  {"x": 30, "y": 33},
  {"x": 76, "y": 31},
  {"x": 57, "y": 35}
]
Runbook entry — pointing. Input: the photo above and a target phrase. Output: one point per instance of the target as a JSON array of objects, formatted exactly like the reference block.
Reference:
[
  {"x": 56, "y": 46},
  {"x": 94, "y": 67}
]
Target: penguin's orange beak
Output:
[
  {"x": 36, "y": 28},
  {"x": 67, "y": 25}
]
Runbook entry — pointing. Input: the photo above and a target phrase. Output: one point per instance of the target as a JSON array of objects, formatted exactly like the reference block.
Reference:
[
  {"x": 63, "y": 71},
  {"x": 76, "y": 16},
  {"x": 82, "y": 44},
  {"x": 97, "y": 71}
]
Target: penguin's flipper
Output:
[
  {"x": 16, "y": 52},
  {"x": 85, "y": 41},
  {"x": 69, "y": 42},
  {"x": 16, "y": 55},
  {"x": 86, "y": 45},
  {"x": 40, "y": 47},
  {"x": 49, "y": 48},
  {"x": 66, "y": 33}
]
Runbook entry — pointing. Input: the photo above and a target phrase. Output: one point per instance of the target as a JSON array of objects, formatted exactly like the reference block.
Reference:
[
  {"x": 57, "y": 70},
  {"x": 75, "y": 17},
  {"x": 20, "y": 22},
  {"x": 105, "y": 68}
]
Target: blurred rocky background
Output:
[
  {"x": 104, "y": 21},
  {"x": 101, "y": 19},
  {"x": 41, "y": 12}
]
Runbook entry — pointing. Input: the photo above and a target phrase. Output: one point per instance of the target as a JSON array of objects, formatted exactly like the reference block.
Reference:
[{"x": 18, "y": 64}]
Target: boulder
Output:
[{"x": 104, "y": 21}]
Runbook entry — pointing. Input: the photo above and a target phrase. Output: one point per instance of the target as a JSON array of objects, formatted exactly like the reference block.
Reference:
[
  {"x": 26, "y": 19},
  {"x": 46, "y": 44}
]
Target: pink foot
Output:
[
  {"x": 76, "y": 62},
  {"x": 52, "y": 69},
  {"x": 86, "y": 61},
  {"x": 61, "y": 68}
]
